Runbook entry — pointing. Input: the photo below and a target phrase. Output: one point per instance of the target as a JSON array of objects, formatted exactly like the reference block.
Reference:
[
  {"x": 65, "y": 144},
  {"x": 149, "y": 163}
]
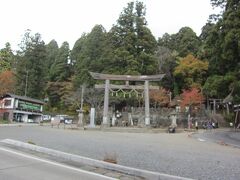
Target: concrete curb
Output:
[
  {"x": 95, "y": 163},
  {"x": 132, "y": 130},
  {"x": 18, "y": 124}
]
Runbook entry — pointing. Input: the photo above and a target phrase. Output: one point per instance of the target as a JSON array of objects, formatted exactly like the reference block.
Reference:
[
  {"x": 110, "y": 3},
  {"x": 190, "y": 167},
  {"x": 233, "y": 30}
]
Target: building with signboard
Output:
[{"x": 20, "y": 108}]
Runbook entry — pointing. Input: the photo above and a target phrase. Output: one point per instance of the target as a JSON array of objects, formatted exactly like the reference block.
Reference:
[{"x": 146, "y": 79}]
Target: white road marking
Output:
[
  {"x": 202, "y": 140},
  {"x": 56, "y": 164}
]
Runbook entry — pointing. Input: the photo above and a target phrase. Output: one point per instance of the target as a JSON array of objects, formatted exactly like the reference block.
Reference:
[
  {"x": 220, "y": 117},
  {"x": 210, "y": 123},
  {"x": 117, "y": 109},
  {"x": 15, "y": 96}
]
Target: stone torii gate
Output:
[{"x": 126, "y": 78}]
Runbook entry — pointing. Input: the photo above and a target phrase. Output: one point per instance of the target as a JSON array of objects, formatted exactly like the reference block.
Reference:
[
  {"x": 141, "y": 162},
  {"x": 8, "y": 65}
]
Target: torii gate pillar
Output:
[
  {"x": 146, "y": 99},
  {"x": 106, "y": 102}
]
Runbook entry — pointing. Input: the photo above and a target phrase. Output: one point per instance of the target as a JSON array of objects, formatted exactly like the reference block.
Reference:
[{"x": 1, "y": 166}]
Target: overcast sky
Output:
[{"x": 66, "y": 20}]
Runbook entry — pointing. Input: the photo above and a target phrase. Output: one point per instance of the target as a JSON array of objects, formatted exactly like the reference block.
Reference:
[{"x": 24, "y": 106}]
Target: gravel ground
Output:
[{"x": 175, "y": 154}]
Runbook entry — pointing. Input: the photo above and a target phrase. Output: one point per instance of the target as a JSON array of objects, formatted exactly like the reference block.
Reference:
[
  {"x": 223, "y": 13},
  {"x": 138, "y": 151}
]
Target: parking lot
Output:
[
  {"x": 15, "y": 165},
  {"x": 175, "y": 154}
]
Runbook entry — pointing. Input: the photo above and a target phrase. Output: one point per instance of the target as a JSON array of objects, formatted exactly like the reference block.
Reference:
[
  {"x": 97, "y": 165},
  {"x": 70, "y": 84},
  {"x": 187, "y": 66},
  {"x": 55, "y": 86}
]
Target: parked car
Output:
[
  {"x": 46, "y": 117},
  {"x": 61, "y": 117},
  {"x": 68, "y": 120}
]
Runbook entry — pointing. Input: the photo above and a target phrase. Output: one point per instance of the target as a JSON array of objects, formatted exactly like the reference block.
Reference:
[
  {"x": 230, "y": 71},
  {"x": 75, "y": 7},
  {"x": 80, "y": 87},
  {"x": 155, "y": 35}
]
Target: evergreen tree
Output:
[
  {"x": 133, "y": 42},
  {"x": 168, "y": 41},
  {"x": 222, "y": 47},
  {"x": 222, "y": 44},
  {"x": 213, "y": 87},
  {"x": 88, "y": 54},
  {"x": 184, "y": 42},
  {"x": 30, "y": 67},
  {"x": 7, "y": 58},
  {"x": 61, "y": 68},
  {"x": 187, "y": 42},
  {"x": 52, "y": 52}
]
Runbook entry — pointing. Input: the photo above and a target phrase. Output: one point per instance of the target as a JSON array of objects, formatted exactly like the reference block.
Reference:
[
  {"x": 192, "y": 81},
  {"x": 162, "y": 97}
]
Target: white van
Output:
[{"x": 46, "y": 117}]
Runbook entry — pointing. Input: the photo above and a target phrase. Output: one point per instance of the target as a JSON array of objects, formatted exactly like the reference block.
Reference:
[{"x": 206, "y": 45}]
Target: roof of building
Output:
[{"x": 23, "y": 98}]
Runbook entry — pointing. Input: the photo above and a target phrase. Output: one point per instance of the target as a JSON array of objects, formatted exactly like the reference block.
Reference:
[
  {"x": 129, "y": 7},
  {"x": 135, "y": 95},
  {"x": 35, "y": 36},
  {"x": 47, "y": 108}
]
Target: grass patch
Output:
[
  {"x": 30, "y": 142},
  {"x": 3, "y": 121}
]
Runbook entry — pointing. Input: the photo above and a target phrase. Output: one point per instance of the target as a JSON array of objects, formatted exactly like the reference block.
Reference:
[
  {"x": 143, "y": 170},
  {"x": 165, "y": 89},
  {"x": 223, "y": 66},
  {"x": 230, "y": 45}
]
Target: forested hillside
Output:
[{"x": 209, "y": 62}]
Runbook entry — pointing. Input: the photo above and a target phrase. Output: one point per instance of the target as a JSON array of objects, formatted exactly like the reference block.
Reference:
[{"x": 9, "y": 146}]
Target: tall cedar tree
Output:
[
  {"x": 88, "y": 54},
  {"x": 222, "y": 48},
  {"x": 6, "y": 58},
  {"x": 184, "y": 42},
  {"x": 61, "y": 68},
  {"x": 133, "y": 42},
  {"x": 222, "y": 43},
  {"x": 52, "y": 52},
  {"x": 30, "y": 66}
]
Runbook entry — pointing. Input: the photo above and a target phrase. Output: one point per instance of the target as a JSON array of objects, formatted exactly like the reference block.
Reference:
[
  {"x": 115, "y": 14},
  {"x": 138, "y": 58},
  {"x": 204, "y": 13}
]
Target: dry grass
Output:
[{"x": 110, "y": 158}]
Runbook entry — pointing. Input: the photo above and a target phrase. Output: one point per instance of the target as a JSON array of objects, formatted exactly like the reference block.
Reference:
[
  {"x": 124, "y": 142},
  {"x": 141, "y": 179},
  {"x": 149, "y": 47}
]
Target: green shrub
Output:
[{"x": 229, "y": 117}]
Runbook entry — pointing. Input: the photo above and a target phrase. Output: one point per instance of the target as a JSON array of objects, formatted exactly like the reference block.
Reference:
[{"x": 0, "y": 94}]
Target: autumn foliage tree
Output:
[
  {"x": 191, "y": 71},
  {"x": 159, "y": 97},
  {"x": 7, "y": 82},
  {"x": 192, "y": 98}
]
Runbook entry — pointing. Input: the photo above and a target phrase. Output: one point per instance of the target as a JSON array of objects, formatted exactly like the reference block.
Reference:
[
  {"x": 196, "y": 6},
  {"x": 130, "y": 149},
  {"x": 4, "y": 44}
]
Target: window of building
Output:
[{"x": 7, "y": 102}]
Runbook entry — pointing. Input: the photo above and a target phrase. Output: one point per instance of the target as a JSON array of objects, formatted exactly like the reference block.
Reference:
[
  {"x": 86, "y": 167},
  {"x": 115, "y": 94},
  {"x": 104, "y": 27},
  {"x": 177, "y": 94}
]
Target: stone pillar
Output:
[
  {"x": 113, "y": 119},
  {"x": 174, "y": 120},
  {"x": 214, "y": 106},
  {"x": 130, "y": 119},
  {"x": 146, "y": 98},
  {"x": 80, "y": 118},
  {"x": 227, "y": 108},
  {"x": 92, "y": 118},
  {"x": 106, "y": 99}
]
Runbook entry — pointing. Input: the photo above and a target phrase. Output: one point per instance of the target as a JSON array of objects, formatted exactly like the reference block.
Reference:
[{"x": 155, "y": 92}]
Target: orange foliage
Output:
[
  {"x": 159, "y": 96},
  {"x": 7, "y": 82},
  {"x": 190, "y": 66},
  {"x": 192, "y": 70},
  {"x": 192, "y": 97}
]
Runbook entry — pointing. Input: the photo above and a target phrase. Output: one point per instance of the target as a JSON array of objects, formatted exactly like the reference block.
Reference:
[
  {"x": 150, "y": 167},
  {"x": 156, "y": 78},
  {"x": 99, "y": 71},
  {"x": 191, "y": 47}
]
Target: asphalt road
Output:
[
  {"x": 174, "y": 154},
  {"x": 225, "y": 136},
  {"x": 18, "y": 166}
]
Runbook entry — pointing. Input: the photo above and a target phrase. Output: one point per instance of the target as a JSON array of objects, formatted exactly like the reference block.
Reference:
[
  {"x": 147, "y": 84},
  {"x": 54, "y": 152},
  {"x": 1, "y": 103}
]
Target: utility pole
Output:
[
  {"x": 80, "y": 111},
  {"x": 26, "y": 84},
  {"x": 82, "y": 93}
]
